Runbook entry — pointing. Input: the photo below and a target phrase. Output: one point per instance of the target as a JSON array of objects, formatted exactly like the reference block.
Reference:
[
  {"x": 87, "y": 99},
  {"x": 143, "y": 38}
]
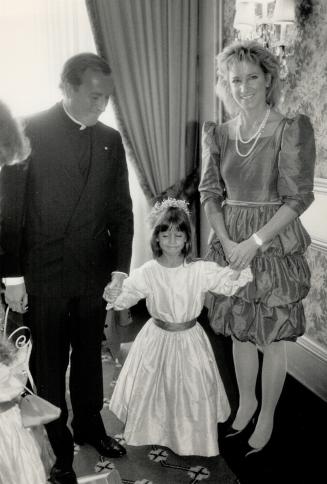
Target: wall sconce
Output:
[{"x": 270, "y": 22}]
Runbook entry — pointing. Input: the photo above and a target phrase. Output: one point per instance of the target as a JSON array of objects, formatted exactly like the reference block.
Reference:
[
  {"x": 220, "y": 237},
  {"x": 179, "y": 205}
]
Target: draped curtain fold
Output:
[{"x": 152, "y": 48}]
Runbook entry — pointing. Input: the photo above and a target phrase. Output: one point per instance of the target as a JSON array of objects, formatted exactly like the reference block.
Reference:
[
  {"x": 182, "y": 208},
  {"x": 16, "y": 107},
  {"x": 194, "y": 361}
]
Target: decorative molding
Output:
[
  {"x": 319, "y": 244},
  {"x": 307, "y": 358},
  {"x": 307, "y": 363},
  {"x": 320, "y": 185},
  {"x": 314, "y": 347}
]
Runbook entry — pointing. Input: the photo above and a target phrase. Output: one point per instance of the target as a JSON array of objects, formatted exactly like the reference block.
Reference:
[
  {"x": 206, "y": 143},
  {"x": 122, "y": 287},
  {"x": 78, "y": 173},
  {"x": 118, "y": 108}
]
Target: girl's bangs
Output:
[{"x": 169, "y": 225}]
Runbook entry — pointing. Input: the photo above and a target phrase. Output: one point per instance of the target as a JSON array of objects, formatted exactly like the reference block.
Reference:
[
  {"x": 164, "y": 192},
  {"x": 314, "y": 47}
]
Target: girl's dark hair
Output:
[{"x": 177, "y": 218}]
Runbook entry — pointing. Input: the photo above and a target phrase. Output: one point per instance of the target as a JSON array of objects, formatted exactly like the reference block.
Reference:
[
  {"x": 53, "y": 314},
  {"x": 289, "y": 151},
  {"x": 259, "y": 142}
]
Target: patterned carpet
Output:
[{"x": 147, "y": 464}]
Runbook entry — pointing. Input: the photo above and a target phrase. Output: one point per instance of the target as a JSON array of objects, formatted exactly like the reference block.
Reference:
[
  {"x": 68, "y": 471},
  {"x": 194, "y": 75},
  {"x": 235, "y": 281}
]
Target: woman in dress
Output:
[
  {"x": 20, "y": 461},
  {"x": 14, "y": 147},
  {"x": 257, "y": 179},
  {"x": 169, "y": 391}
]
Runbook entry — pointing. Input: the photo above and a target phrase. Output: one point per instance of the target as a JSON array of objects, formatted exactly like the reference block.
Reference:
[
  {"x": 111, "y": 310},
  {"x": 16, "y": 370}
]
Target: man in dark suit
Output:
[{"x": 67, "y": 226}]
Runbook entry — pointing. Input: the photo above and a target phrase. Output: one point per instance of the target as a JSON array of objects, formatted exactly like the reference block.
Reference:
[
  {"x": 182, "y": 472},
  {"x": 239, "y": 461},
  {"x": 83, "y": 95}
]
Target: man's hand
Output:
[
  {"x": 113, "y": 289},
  {"x": 16, "y": 297}
]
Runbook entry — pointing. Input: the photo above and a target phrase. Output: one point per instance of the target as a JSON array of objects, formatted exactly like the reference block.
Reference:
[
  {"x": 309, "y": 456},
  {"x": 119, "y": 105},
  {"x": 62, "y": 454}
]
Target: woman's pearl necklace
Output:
[{"x": 255, "y": 136}]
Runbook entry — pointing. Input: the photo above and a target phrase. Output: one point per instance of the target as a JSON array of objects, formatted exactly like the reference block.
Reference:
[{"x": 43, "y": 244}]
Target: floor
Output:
[
  {"x": 144, "y": 464},
  {"x": 294, "y": 454}
]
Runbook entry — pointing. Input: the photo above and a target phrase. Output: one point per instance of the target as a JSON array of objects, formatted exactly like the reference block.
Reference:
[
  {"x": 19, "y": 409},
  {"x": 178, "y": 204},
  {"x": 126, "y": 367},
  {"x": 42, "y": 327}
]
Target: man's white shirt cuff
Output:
[{"x": 13, "y": 281}]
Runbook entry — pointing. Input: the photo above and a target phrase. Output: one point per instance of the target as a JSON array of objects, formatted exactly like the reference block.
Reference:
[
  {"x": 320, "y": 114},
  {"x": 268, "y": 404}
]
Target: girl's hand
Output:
[
  {"x": 243, "y": 254},
  {"x": 235, "y": 276}
]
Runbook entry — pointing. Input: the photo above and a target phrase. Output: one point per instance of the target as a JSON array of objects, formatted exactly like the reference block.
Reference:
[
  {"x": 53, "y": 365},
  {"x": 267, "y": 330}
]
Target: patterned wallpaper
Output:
[
  {"x": 315, "y": 304},
  {"x": 305, "y": 91}
]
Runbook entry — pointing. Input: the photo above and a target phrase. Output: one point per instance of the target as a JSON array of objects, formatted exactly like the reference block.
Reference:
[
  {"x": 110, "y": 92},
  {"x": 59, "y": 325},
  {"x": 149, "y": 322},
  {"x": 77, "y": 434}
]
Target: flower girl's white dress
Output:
[
  {"x": 169, "y": 391},
  {"x": 20, "y": 461}
]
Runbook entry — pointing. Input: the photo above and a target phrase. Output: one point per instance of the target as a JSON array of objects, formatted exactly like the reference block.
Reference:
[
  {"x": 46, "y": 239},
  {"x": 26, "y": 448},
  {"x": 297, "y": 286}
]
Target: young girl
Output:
[
  {"x": 169, "y": 391},
  {"x": 20, "y": 461}
]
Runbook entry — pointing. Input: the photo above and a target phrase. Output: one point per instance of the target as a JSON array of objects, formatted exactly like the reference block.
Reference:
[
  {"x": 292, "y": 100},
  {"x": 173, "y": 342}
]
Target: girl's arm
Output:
[
  {"x": 133, "y": 289},
  {"x": 224, "y": 280}
]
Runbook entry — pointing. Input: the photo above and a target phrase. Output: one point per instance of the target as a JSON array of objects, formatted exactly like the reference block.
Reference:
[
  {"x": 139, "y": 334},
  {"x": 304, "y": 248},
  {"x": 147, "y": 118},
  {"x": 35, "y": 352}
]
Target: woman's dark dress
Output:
[{"x": 281, "y": 168}]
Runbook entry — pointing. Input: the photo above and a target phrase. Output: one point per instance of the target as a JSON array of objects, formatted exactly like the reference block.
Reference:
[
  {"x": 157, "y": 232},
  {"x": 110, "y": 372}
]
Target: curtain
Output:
[
  {"x": 36, "y": 38},
  {"x": 152, "y": 48}
]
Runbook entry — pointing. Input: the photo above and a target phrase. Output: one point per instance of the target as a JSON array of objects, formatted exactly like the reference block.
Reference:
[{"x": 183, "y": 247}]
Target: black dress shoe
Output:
[
  {"x": 105, "y": 445},
  {"x": 62, "y": 476}
]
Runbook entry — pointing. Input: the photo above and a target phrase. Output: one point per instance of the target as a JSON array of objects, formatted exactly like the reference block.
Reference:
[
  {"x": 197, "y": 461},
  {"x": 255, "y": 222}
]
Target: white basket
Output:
[{"x": 110, "y": 477}]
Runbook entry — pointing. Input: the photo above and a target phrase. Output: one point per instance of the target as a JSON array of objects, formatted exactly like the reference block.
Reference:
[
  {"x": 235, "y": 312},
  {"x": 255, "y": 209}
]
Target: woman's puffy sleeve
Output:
[
  {"x": 221, "y": 280},
  {"x": 211, "y": 183},
  {"x": 296, "y": 164},
  {"x": 134, "y": 288}
]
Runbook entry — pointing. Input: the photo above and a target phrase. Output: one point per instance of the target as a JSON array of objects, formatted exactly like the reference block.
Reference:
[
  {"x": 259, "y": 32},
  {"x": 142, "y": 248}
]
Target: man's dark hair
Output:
[{"x": 75, "y": 67}]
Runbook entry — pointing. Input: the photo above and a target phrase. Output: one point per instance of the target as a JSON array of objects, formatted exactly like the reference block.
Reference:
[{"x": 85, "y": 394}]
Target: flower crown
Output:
[{"x": 159, "y": 208}]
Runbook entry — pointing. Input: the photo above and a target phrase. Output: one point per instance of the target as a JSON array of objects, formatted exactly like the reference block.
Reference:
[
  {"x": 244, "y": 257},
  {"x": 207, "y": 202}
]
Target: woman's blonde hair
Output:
[
  {"x": 14, "y": 145},
  {"x": 253, "y": 52}
]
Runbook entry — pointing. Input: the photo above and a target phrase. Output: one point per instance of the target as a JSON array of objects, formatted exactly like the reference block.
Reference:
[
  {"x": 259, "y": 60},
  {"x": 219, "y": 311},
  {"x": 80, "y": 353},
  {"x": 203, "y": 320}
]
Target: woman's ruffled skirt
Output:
[{"x": 269, "y": 308}]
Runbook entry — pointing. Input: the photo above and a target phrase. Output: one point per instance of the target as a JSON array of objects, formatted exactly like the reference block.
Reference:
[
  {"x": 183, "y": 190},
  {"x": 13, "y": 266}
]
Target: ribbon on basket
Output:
[{"x": 35, "y": 410}]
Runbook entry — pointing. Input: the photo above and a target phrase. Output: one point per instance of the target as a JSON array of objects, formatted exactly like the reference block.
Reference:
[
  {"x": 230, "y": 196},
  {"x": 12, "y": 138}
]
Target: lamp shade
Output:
[
  {"x": 244, "y": 15},
  {"x": 284, "y": 12}
]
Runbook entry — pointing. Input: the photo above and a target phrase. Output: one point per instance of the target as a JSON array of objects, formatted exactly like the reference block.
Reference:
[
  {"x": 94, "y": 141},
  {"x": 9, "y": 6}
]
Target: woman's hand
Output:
[
  {"x": 228, "y": 246},
  {"x": 242, "y": 254}
]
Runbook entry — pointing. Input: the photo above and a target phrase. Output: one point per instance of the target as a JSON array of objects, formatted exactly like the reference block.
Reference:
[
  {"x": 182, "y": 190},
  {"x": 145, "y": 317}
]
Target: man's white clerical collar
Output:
[{"x": 82, "y": 126}]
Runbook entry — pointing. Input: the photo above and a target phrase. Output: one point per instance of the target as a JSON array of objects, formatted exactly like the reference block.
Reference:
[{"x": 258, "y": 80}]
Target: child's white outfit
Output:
[
  {"x": 20, "y": 461},
  {"x": 169, "y": 391}
]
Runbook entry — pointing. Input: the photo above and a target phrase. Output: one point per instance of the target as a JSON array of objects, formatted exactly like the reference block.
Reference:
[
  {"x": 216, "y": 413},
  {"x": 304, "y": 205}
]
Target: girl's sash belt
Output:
[
  {"x": 241, "y": 203},
  {"x": 174, "y": 326}
]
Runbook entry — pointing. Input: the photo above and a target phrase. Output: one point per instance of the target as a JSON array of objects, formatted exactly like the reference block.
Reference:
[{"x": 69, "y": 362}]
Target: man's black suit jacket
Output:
[{"x": 64, "y": 233}]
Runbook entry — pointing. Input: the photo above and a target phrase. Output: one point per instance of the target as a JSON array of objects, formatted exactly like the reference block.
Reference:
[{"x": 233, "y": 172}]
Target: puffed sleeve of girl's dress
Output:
[
  {"x": 134, "y": 288},
  {"x": 221, "y": 280},
  {"x": 296, "y": 164},
  {"x": 211, "y": 184}
]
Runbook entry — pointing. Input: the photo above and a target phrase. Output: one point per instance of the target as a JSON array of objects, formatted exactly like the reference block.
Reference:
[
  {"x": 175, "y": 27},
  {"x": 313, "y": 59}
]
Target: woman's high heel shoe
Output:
[
  {"x": 249, "y": 450},
  {"x": 233, "y": 432}
]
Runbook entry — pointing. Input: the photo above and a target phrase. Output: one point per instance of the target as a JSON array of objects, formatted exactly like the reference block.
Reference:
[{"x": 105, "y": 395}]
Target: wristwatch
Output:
[{"x": 257, "y": 240}]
